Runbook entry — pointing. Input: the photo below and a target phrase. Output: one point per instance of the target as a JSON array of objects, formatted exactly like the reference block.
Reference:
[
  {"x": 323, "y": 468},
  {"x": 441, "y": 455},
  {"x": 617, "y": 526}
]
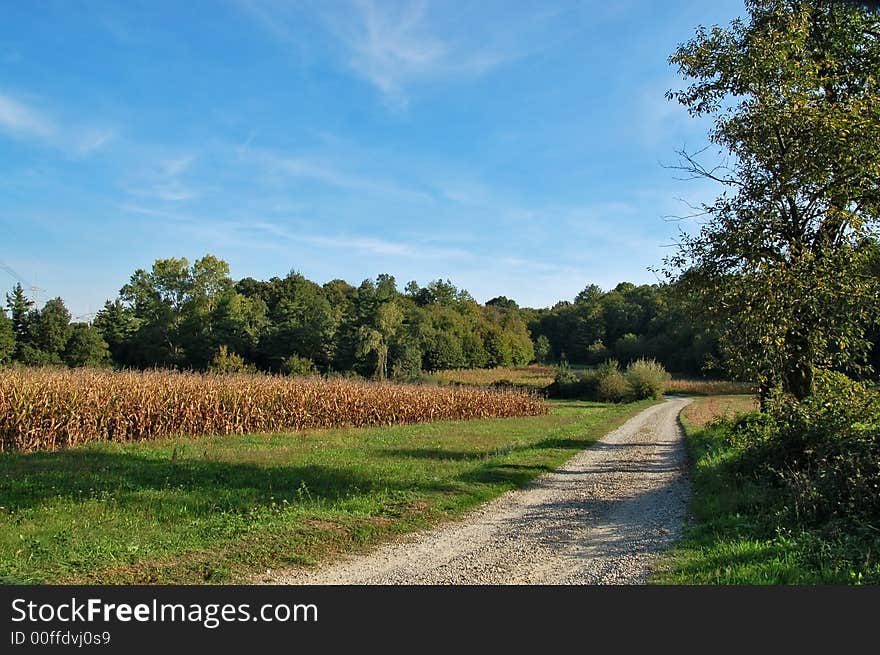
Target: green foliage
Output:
[
  {"x": 543, "y": 353},
  {"x": 597, "y": 352},
  {"x": 780, "y": 264},
  {"x": 226, "y": 361},
  {"x": 823, "y": 451},
  {"x": 86, "y": 347},
  {"x": 628, "y": 348},
  {"x": 568, "y": 383},
  {"x": 7, "y": 339},
  {"x": 19, "y": 311},
  {"x": 740, "y": 535},
  {"x": 565, "y": 375},
  {"x": 296, "y": 365},
  {"x": 118, "y": 326},
  {"x": 178, "y": 315},
  {"x": 647, "y": 379},
  {"x": 48, "y": 332},
  {"x": 611, "y": 384},
  {"x": 406, "y": 358},
  {"x": 629, "y": 322},
  {"x": 788, "y": 495}
]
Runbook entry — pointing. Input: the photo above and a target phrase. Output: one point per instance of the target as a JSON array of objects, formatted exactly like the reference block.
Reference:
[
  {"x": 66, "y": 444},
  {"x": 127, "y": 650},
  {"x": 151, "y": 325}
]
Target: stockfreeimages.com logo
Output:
[{"x": 209, "y": 615}]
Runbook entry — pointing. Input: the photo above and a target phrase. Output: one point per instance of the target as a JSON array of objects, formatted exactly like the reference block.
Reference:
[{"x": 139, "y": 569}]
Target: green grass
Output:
[
  {"x": 738, "y": 536},
  {"x": 219, "y": 509}
]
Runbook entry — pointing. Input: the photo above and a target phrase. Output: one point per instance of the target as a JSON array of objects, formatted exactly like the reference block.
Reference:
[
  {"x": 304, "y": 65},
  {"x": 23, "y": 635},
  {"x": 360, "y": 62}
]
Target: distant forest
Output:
[{"x": 195, "y": 316}]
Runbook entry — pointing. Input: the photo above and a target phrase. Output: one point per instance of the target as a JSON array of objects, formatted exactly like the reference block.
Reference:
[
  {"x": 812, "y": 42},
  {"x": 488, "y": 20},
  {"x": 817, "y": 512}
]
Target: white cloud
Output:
[
  {"x": 391, "y": 44},
  {"x": 370, "y": 245},
  {"x": 174, "y": 166},
  {"x": 173, "y": 191},
  {"x": 329, "y": 173},
  {"x": 232, "y": 230},
  {"x": 388, "y": 48},
  {"x": 90, "y": 140},
  {"x": 24, "y": 121},
  {"x": 19, "y": 119}
]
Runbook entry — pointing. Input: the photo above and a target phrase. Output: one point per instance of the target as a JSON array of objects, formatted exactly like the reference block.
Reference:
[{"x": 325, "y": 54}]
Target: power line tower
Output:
[{"x": 33, "y": 290}]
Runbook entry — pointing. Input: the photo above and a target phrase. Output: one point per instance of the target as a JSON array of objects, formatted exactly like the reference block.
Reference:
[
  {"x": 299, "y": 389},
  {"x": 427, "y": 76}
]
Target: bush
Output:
[
  {"x": 597, "y": 352},
  {"x": 564, "y": 375},
  {"x": 296, "y": 365},
  {"x": 822, "y": 453},
  {"x": 647, "y": 379},
  {"x": 569, "y": 384},
  {"x": 611, "y": 384},
  {"x": 226, "y": 361}
]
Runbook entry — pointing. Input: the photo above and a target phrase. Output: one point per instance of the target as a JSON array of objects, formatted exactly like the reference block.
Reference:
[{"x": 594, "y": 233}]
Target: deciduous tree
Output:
[{"x": 794, "y": 91}]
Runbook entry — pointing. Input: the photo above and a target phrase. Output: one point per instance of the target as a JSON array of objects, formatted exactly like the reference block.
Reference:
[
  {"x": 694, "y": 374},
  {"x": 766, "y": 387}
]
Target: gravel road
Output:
[{"x": 604, "y": 517}]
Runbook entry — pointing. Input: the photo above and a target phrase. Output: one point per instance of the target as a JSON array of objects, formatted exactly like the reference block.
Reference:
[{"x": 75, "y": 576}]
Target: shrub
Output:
[
  {"x": 647, "y": 378},
  {"x": 296, "y": 365},
  {"x": 228, "y": 362},
  {"x": 822, "y": 453},
  {"x": 611, "y": 384},
  {"x": 597, "y": 352},
  {"x": 564, "y": 375},
  {"x": 570, "y": 384}
]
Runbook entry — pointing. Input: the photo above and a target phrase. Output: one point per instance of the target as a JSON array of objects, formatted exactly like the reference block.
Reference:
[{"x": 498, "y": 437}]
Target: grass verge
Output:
[
  {"x": 222, "y": 508},
  {"x": 737, "y": 536}
]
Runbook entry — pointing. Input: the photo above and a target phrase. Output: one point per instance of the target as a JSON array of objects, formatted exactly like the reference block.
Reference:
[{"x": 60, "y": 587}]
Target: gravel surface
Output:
[{"x": 604, "y": 517}]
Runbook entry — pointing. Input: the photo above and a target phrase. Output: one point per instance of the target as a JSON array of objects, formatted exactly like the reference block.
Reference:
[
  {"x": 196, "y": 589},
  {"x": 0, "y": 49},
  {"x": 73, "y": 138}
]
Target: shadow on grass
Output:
[
  {"x": 508, "y": 475},
  {"x": 29, "y": 480},
  {"x": 441, "y": 454}
]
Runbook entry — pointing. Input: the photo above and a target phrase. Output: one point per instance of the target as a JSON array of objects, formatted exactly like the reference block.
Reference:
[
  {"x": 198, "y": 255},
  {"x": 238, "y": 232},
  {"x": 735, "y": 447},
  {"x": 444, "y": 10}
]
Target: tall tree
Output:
[
  {"x": 7, "y": 338},
  {"x": 173, "y": 304},
  {"x": 794, "y": 91},
  {"x": 118, "y": 326},
  {"x": 20, "y": 307},
  {"x": 376, "y": 336},
  {"x": 86, "y": 347},
  {"x": 49, "y": 332}
]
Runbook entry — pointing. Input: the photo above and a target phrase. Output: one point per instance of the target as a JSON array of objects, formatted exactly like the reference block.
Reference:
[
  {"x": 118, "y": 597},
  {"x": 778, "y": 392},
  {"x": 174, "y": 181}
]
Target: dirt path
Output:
[{"x": 602, "y": 518}]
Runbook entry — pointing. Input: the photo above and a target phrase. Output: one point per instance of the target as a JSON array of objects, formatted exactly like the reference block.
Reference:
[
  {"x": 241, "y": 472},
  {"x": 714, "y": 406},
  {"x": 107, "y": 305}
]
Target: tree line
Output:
[{"x": 195, "y": 316}]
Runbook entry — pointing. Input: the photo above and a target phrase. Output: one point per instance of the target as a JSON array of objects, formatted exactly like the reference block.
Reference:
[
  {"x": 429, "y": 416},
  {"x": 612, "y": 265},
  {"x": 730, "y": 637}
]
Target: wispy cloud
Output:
[
  {"x": 24, "y": 121},
  {"x": 174, "y": 166},
  {"x": 171, "y": 192},
  {"x": 363, "y": 244},
  {"x": 19, "y": 119},
  {"x": 90, "y": 140},
  {"x": 388, "y": 48},
  {"x": 328, "y": 172},
  {"x": 278, "y": 234},
  {"x": 390, "y": 44},
  {"x": 160, "y": 177}
]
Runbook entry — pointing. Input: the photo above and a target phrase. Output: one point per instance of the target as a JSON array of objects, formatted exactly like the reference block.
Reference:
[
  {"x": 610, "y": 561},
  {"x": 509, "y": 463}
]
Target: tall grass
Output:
[
  {"x": 47, "y": 409},
  {"x": 536, "y": 375},
  {"x": 709, "y": 387}
]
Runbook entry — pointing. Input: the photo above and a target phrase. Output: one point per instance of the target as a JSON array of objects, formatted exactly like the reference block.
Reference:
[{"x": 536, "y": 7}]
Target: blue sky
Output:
[{"x": 513, "y": 147}]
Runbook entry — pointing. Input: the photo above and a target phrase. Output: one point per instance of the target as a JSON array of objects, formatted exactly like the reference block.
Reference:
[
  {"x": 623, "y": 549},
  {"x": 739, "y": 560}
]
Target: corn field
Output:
[{"x": 47, "y": 409}]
